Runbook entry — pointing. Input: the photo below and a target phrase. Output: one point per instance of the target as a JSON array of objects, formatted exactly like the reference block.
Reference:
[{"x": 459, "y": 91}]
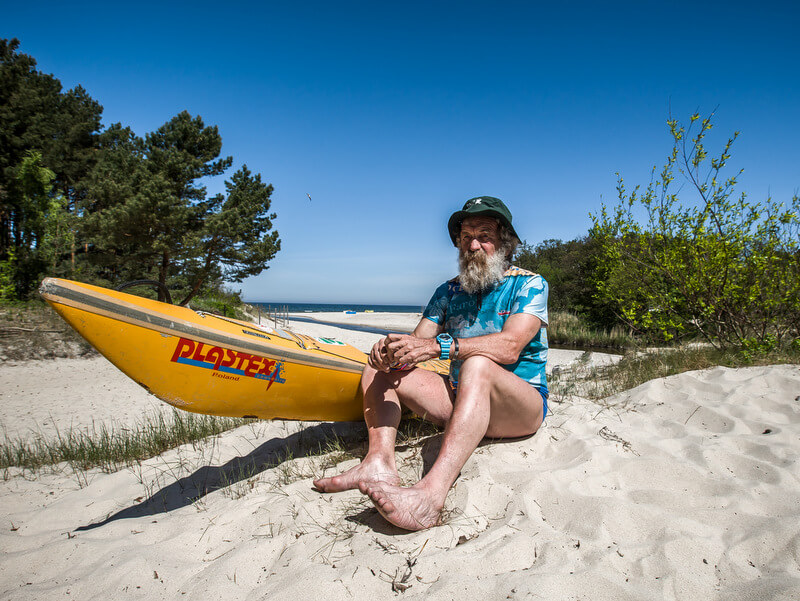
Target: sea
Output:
[{"x": 335, "y": 308}]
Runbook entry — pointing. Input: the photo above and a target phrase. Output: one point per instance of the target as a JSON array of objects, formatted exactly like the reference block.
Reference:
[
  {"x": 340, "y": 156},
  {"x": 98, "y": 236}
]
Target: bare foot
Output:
[
  {"x": 369, "y": 470},
  {"x": 408, "y": 508}
]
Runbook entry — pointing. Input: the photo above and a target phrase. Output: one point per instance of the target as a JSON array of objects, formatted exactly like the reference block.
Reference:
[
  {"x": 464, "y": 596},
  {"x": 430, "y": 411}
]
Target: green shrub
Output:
[{"x": 726, "y": 270}]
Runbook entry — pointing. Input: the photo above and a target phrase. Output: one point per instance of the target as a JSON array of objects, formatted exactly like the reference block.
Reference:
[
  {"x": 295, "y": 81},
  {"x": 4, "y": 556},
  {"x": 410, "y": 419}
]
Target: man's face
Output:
[
  {"x": 480, "y": 265},
  {"x": 479, "y": 233}
]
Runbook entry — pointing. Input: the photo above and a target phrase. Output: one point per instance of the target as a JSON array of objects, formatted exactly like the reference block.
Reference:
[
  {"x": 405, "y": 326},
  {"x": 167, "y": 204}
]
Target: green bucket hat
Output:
[{"x": 480, "y": 206}]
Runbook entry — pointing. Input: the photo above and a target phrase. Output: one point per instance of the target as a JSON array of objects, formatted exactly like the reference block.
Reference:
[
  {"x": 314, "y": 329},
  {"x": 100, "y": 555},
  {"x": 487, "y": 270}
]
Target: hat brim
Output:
[{"x": 454, "y": 223}]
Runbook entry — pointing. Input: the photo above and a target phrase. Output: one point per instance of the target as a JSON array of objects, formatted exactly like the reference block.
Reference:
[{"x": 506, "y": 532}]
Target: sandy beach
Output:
[{"x": 685, "y": 487}]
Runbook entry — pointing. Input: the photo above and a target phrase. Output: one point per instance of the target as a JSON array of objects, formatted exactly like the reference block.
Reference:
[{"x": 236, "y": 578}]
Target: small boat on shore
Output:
[{"x": 215, "y": 365}]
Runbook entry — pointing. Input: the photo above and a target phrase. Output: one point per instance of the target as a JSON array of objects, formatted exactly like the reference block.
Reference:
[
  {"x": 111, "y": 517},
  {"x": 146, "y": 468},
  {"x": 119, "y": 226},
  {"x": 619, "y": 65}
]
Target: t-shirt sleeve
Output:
[
  {"x": 532, "y": 298},
  {"x": 437, "y": 306}
]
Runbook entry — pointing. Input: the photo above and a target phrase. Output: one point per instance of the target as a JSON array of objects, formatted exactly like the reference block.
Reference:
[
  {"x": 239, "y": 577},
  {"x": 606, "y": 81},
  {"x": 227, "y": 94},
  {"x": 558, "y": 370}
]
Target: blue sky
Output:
[{"x": 392, "y": 114}]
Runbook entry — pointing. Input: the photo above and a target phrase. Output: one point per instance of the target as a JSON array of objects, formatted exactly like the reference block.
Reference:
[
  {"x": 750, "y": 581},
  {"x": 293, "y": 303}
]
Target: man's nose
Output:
[{"x": 475, "y": 244}]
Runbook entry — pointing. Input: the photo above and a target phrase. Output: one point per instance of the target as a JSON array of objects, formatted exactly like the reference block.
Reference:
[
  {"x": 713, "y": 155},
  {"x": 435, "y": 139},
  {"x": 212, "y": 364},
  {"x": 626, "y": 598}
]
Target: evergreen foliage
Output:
[
  {"x": 46, "y": 143},
  {"x": 235, "y": 241},
  {"x": 108, "y": 206}
]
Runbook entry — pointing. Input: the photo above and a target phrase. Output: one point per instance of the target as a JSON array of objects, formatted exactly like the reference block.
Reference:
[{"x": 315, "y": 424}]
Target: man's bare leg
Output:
[
  {"x": 491, "y": 401},
  {"x": 424, "y": 392}
]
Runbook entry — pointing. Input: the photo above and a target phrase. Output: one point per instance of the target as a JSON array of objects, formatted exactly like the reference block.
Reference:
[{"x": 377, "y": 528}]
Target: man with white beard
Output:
[{"x": 490, "y": 322}]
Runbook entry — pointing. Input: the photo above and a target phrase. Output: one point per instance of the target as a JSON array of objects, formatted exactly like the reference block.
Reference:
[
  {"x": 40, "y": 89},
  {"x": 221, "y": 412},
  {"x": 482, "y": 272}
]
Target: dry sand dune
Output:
[{"x": 686, "y": 487}]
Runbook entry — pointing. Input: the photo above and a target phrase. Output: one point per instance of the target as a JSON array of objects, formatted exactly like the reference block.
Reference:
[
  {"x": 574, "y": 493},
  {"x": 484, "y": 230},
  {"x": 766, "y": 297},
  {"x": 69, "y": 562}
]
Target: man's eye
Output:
[{"x": 480, "y": 238}]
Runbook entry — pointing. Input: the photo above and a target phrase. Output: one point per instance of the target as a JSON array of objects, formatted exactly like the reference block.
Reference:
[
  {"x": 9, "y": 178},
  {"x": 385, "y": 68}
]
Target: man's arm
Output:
[
  {"x": 503, "y": 347},
  {"x": 426, "y": 329}
]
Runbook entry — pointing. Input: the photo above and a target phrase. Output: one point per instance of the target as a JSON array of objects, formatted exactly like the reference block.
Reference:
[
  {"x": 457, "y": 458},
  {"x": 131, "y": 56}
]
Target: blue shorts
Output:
[{"x": 542, "y": 391}]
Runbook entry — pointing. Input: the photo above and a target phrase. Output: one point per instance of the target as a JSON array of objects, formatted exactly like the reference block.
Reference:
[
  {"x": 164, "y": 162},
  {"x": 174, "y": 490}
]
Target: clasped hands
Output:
[{"x": 402, "y": 350}]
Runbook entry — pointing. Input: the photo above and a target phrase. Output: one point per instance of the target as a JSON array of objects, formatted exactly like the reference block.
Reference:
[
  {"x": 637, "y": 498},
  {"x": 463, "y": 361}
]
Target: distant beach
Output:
[{"x": 336, "y": 307}]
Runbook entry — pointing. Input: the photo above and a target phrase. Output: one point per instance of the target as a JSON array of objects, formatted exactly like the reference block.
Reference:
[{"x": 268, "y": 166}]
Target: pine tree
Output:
[
  {"x": 59, "y": 128},
  {"x": 236, "y": 236}
]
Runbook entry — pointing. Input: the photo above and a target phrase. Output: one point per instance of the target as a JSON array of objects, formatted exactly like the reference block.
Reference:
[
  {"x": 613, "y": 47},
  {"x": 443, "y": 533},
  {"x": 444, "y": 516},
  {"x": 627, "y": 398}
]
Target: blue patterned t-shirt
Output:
[{"x": 468, "y": 315}]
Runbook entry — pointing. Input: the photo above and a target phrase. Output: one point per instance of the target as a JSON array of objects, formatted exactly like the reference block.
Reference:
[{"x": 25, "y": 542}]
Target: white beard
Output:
[{"x": 478, "y": 271}]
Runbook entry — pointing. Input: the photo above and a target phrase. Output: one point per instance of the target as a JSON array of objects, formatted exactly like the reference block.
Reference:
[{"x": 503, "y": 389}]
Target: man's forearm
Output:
[
  {"x": 500, "y": 348},
  {"x": 505, "y": 346}
]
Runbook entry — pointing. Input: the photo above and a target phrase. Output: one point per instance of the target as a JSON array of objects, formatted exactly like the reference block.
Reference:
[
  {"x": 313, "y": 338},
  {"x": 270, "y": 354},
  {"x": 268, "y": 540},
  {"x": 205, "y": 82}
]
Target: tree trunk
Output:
[
  {"x": 195, "y": 290},
  {"x": 201, "y": 279},
  {"x": 162, "y": 274}
]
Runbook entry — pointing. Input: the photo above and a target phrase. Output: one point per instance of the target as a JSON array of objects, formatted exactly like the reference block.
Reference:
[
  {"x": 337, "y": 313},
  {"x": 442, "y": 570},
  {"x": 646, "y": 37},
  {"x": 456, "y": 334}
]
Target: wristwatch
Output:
[{"x": 444, "y": 340}]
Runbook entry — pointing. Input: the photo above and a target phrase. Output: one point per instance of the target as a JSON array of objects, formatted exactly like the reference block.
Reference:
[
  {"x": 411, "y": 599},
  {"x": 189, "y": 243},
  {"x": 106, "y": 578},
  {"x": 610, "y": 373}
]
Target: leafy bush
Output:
[
  {"x": 727, "y": 270},
  {"x": 7, "y": 277}
]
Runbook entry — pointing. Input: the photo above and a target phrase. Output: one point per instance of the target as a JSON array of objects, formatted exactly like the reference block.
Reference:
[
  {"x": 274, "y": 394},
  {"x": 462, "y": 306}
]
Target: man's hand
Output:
[
  {"x": 379, "y": 357},
  {"x": 404, "y": 349}
]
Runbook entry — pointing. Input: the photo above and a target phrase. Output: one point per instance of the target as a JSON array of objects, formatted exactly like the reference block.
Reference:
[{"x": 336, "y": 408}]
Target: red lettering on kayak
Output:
[
  {"x": 267, "y": 368},
  {"x": 230, "y": 358},
  {"x": 198, "y": 352},
  {"x": 216, "y": 354},
  {"x": 240, "y": 358},
  {"x": 184, "y": 348},
  {"x": 252, "y": 366},
  {"x": 226, "y": 363}
]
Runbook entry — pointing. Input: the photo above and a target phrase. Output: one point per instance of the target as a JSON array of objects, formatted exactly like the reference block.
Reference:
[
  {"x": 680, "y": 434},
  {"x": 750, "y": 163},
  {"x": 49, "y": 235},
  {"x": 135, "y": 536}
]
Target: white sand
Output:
[
  {"x": 400, "y": 322},
  {"x": 686, "y": 487},
  {"x": 45, "y": 398}
]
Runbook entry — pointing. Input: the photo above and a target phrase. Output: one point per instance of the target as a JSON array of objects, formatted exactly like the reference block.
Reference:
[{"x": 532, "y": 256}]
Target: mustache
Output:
[
  {"x": 475, "y": 255},
  {"x": 478, "y": 270}
]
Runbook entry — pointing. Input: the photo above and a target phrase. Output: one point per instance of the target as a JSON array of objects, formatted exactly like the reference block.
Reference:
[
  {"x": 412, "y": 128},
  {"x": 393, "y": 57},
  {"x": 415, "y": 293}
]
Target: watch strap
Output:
[{"x": 445, "y": 341}]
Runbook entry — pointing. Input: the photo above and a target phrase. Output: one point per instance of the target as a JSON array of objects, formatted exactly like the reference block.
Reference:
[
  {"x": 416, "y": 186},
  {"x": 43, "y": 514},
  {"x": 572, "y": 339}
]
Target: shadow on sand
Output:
[{"x": 208, "y": 479}]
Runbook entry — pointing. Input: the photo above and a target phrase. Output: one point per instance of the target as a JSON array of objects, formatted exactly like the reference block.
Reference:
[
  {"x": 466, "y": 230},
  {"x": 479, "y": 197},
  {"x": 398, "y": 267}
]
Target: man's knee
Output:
[
  {"x": 371, "y": 377},
  {"x": 368, "y": 376},
  {"x": 477, "y": 366}
]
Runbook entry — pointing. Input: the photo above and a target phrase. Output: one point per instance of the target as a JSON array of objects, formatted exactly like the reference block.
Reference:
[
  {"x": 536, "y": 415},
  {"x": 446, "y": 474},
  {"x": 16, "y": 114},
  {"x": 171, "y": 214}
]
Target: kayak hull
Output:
[{"x": 207, "y": 364}]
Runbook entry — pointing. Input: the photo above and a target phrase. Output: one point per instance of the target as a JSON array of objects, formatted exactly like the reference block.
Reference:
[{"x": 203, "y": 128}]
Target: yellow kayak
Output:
[{"x": 209, "y": 364}]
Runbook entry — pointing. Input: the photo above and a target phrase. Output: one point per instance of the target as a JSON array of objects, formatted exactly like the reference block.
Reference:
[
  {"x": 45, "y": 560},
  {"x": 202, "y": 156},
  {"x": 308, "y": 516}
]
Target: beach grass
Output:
[
  {"x": 113, "y": 447},
  {"x": 636, "y": 368},
  {"x": 221, "y": 301},
  {"x": 568, "y": 329}
]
